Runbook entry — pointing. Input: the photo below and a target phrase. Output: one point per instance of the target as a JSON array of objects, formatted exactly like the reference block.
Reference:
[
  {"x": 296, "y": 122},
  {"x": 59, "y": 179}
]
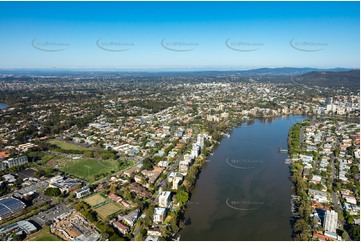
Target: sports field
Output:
[
  {"x": 67, "y": 145},
  {"x": 107, "y": 209},
  {"x": 95, "y": 199},
  {"x": 87, "y": 168},
  {"x": 102, "y": 205}
]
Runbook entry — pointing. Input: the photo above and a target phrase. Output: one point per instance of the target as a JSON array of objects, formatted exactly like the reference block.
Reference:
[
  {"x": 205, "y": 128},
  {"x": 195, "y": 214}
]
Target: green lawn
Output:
[
  {"x": 87, "y": 168},
  {"x": 39, "y": 156},
  {"x": 67, "y": 145},
  {"x": 107, "y": 209},
  {"x": 46, "y": 157},
  {"x": 43, "y": 235}
]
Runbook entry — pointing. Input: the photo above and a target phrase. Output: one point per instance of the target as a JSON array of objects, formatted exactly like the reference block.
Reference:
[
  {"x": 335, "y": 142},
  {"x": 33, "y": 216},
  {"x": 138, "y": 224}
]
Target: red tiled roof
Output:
[
  {"x": 114, "y": 197},
  {"x": 120, "y": 225},
  {"x": 321, "y": 236},
  {"x": 4, "y": 154}
]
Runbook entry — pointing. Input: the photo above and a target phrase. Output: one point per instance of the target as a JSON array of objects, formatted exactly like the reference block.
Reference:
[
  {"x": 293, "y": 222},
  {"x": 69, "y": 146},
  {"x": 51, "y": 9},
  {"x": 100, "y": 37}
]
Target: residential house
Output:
[
  {"x": 330, "y": 221},
  {"x": 177, "y": 181},
  {"x": 138, "y": 179},
  {"x": 316, "y": 179},
  {"x": 115, "y": 197},
  {"x": 121, "y": 227},
  {"x": 183, "y": 167},
  {"x": 159, "y": 215},
  {"x": 130, "y": 218},
  {"x": 165, "y": 199},
  {"x": 319, "y": 196}
]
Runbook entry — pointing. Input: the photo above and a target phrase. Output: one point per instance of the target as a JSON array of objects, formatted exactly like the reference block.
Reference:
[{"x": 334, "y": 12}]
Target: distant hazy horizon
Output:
[
  {"x": 156, "y": 70},
  {"x": 179, "y": 68}
]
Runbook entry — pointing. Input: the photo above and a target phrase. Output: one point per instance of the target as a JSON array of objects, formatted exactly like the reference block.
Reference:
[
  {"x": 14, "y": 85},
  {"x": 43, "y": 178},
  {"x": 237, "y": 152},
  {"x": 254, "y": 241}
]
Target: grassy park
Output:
[
  {"x": 64, "y": 145},
  {"x": 43, "y": 235},
  {"x": 87, "y": 168}
]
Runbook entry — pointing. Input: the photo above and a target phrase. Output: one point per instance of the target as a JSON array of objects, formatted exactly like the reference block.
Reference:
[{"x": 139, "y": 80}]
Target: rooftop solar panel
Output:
[{"x": 9, "y": 206}]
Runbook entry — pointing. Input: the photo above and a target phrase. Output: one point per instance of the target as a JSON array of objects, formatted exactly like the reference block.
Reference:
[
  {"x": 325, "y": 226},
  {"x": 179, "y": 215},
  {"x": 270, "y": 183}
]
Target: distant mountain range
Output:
[
  {"x": 251, "y": 72},
  {"x": 334, "y": 79},
  {"x": 287, "y": 71}
]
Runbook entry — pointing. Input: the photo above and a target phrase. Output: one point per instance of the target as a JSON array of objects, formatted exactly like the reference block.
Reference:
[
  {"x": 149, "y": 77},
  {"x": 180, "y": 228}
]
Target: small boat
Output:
[{"x": 282, "y": 150}]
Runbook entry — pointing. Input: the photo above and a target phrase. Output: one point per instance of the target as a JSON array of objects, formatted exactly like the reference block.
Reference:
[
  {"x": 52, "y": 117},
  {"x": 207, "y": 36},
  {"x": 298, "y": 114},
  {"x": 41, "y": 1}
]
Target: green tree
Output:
[
  {"x": 148, "y": 164},
  {"x": 52, "y": 191},
  {"x": 182, "y": 197},
  {"x": 301, "y": 226},
  {"x": 354, "y": 232}
]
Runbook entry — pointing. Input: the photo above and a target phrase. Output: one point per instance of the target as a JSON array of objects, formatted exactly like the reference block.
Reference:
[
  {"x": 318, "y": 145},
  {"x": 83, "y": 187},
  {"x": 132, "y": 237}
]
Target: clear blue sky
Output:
[{"x": 270, "y": 29}]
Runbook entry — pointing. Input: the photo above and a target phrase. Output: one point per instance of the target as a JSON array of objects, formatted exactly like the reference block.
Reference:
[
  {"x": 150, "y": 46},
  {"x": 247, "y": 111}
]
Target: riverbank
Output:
[{"x": 300, "y": 209}]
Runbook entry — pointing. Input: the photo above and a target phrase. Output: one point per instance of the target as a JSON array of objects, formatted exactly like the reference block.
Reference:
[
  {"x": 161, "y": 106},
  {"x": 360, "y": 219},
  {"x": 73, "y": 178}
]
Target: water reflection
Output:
[{"x": 243, "y": 193}]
